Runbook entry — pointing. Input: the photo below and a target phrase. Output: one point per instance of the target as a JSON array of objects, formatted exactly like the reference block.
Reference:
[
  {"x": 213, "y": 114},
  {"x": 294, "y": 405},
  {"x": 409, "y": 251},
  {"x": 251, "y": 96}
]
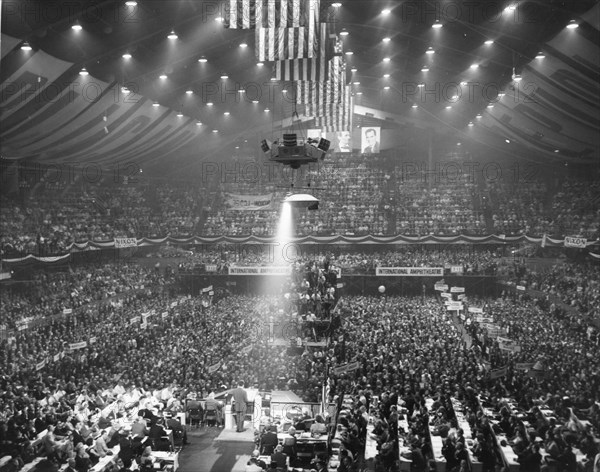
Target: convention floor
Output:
[{"x": 206, "y": 454}]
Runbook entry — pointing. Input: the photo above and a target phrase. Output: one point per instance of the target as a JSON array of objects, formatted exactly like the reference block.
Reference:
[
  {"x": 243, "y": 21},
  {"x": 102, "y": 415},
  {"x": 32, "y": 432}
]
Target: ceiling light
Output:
[
  {"x": 437, "y": 24},
  {"x": 540, "y": 55},
  {"x": 463, "y": 83},
  {"x": 202, "y": 59},
  {"x": 488, "y": 42},
  {"x": 260, "y": 64},
  {"x": 209, "y": 104},
  {"x": 425, "y": 69},
  {"x": 131, "y": 3},
  {"x": 155, "y": 104},
  {"x": 77, "y": 27},
  {"x": 458, "y": 144},
  {"x": 507, "y": 141},
  {"x": 25, "y": 46},
  {"x": 356, "y": 83},
  {"x": 517, "y": 77},
  {"x": 386, "y": 40},
  {"x": 126, "y": 56},
  {"x": 511, "y": 7},
  {"x": 254, "y": 101},
  {"x": 385, "y": 11},
  {"x": 267, "y": 110},
  {"x": 336, "y": 4},
  {"x": 556, "y": 150},
  {"x": 572, "y": 24},
  {"x": 344, "y": 32},
  {"x": 189, "y": 92},
  {"x": 226, "y": 113},
  {"x": 219, "y": 19},
  {"x": 198, "y": 123},
  {"x": 474, "y": 66},
  {"x": 353, "y": 69},
  {"x": 454, "y": 98},
  {"x": 387, "y": 87},
  {"x": 386, "y": 59},
  {"x": 478, "y": 115},
  {"x": 490, "y": 106},
  {"x": 237, "y": 147},
  {"x": 124, "y": 90},
  {"x": 430, "y": 51},
  {"x": 172, "y": 35},
  {"x": 215, "y": 130},
  {"x": 84, "y": 72},
  {"x": 349, "y": 53},
  {"x": 243, "y": 45},
  {"x": 385, "y": 76},
  {"x": 162, "y": 76},
  {"x": 471, "y": 123},
  {"x": 273, "y": 79},
  {"x": 421, "y": 85},
  {"x": 224, "y": 76},
  {"x": 448, "y": 107},
  {"x": 501, "y": 94},
  {"x": 359, "y": 93},
  {"x": 241, "y": 91},
  {"x": 179, "y": 115},
  {"x": 415, "y": 105}
]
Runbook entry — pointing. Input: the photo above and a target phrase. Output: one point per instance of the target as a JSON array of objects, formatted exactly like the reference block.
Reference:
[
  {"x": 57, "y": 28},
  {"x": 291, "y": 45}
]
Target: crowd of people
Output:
[
  {"x": 407, "y": 348},
  {"x": 358, "y": 197}
]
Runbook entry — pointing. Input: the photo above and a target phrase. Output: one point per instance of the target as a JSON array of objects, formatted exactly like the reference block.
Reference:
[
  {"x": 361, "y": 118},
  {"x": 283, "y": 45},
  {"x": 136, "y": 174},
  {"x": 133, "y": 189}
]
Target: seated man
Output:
[
  {"x": 269, "y": 441},
  {"x": 179, "y": 433},
  {"x": 280, "y": 458},
  {"x": 213, "y": 407}
]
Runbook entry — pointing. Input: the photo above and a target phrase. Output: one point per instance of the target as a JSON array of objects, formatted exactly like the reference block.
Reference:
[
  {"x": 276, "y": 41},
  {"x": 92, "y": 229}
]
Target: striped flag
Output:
[
  {"x": 315, "y": 69},
  {"x": 315, "y": 94},
  {"x": 341, "y": 117},
  {"x": 252, "y": 14},
  {"x": 298, "y": 41}
]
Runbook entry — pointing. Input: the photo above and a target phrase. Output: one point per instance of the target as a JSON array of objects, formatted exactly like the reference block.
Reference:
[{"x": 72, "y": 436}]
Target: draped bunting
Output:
[
  {"x": 554, "y": 106},
  {"x": 52, "y": 114},
  {"x": 340, "y": 240}
]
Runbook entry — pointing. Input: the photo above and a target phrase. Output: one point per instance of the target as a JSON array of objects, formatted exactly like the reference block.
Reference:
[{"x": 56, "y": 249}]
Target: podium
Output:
[{"x": 253, "y": 409}]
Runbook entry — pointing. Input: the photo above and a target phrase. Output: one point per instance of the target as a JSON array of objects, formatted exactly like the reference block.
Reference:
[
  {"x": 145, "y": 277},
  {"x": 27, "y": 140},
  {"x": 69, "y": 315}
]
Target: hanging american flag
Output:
[
  {"x": 317, "y": 94},
  {"x": 290, "y": 38},
  {"x": 340, "y": 118},
  {"x": 251, "y": 14},
  {"x": 315, "y": 69}
]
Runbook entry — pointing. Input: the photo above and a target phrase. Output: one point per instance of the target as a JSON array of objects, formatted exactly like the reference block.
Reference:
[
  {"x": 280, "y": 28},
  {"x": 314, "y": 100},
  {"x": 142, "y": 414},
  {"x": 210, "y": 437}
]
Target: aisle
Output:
[{"x": 204, "y": 454}]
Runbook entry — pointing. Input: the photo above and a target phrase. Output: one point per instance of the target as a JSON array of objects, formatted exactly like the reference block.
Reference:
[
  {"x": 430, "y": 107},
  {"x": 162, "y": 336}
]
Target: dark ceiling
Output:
[{"x": 111, "y": 28}]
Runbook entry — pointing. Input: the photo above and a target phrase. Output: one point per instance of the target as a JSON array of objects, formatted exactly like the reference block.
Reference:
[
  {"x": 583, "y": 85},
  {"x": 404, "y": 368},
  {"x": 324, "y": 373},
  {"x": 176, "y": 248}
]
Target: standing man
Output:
[{"x": 240, "y": 398}]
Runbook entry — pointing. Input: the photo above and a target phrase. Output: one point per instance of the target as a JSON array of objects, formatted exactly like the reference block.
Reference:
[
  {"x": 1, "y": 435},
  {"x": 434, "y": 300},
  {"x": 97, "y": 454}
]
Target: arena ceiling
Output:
[{"x": 183, "y": 104}]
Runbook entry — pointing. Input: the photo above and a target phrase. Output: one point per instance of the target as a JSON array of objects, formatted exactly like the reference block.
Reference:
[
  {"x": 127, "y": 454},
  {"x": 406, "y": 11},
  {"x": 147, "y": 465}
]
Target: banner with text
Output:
[
  {"x": 575, "y": 242},
  {"x": 249, "y": 202},
  {"x": 125, "y": 242},
  {"x": 410, "y": 271},
  {"x": 274, "y": 270},
  {"x": 346, "y": 368}
]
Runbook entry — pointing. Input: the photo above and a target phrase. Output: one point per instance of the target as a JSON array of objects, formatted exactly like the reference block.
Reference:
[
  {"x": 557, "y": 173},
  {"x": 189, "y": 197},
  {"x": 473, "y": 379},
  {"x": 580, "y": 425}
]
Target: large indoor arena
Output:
[{"x": 300, "y": 236}]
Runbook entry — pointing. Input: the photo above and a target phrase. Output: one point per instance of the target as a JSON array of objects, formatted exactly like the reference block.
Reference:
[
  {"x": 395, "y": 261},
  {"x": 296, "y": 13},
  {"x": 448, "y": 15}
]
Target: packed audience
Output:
[
  {"x": 413, "y": 355},
  {"x": 359, "y": 196}
]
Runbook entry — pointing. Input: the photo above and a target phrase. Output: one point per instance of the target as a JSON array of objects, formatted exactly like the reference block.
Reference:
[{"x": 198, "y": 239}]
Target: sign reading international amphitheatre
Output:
[
  {"x": 410, "y": 271},
  {"x": 125, "y": 242},
  {"x": 267, "y": 270}
]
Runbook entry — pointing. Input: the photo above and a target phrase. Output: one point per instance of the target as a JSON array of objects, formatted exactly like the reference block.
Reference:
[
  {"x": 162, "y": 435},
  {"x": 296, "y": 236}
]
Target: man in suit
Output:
[
  {"x": 240, "y": 398},
  {"x": 179, "y": 433},
  {"x": 372, "y": 146}
]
